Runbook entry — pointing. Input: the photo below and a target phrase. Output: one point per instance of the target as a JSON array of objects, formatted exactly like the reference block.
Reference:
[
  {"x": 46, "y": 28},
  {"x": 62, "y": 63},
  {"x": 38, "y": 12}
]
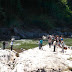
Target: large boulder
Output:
[{"x": 7, "y": 60}]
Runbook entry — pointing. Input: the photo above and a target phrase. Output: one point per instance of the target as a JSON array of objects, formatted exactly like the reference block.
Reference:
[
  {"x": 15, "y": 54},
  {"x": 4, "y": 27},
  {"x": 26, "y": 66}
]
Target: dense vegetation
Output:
[{"x": 44, "y": 14}]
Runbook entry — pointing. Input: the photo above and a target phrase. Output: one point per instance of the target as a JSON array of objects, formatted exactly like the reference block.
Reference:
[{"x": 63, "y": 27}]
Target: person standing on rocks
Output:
[
  {"x": 57, "y": 39},
  {"x": 11, "y": 45},
  {"x": 62, "y": 43},
  {"x": 61, "y": 38},
  {"x": 50, "y": 41},
  {"x": 40, "y": 43},
  {"x": 54, "y": 43},
  {"x": 4, "y": 45}
]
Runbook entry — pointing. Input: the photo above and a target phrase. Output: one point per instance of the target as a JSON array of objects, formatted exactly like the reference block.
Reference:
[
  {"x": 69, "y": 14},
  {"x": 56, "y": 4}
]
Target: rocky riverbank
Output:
[
  {"x": 35, "y": 60},
  {"x": 21, "y": 33}
]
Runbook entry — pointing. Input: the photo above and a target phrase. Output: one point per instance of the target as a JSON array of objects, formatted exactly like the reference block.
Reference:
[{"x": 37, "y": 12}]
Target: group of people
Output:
[
  {"x": 53, "y": 41},
  {"x": 11, "y": 44}
]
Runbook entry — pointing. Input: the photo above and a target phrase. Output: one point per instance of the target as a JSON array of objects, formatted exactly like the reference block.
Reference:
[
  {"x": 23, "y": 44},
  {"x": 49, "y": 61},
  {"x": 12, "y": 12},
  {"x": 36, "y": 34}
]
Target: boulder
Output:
[
  {"x": 7, "y": 60},
  {"x": 70, "y": 66}
]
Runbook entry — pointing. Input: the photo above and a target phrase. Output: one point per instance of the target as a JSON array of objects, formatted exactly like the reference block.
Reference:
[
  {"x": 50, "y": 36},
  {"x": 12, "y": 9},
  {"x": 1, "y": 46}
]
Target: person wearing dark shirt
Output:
[{"x": 3, "y": 45}]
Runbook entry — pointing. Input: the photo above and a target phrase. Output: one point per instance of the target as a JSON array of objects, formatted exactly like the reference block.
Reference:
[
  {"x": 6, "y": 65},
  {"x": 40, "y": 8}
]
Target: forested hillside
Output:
[{"x": 44, "y": 14}]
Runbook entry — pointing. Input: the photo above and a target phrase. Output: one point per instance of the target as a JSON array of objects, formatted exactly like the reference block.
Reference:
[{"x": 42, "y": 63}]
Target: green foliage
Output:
[
  {"x": 46, "y": 14},
  {"x": 68, "y": 41},
  {"x": 24, "y": 44}
]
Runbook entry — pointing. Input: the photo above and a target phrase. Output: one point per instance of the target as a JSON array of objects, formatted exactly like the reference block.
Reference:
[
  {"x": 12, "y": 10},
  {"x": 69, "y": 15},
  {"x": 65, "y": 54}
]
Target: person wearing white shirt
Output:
[
  {"x": 54, "y": 43},
  {"x": 11, "y": 45}
]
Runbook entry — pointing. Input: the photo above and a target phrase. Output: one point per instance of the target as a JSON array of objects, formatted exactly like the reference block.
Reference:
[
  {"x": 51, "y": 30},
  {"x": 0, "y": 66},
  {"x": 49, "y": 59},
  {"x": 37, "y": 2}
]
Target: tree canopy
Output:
[{"x": 44, "y": 14}]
